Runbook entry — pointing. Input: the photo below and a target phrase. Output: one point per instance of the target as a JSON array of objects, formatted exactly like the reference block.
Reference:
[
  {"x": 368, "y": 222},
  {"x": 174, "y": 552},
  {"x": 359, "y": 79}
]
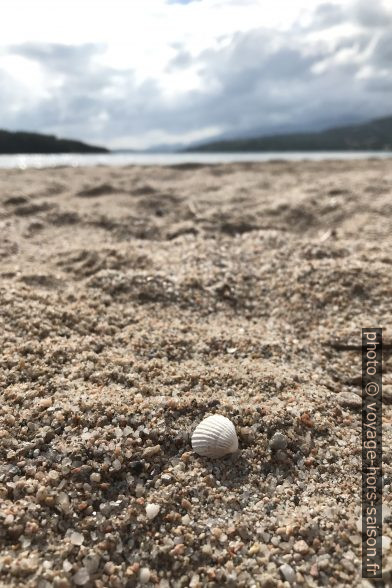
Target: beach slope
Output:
[{"x": 136, "y": 301}]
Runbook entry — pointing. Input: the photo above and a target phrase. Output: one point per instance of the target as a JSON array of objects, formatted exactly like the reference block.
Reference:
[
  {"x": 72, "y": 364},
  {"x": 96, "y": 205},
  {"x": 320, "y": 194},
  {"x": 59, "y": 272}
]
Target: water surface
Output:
[{"x": 81, "y": 160}]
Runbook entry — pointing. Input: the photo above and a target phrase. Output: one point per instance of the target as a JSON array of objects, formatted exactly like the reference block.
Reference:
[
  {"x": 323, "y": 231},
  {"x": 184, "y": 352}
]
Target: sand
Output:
[{"x": 136, "y": 301}]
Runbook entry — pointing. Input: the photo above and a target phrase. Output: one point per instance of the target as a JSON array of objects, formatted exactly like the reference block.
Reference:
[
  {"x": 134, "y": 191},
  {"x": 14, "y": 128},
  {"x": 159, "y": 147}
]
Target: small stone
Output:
[
  {"x": 76, "y": 538},
  {"x": 322, "y": 564},
  {"x": 95, "y": 477},
  {"x": 41, "y": 494},
  {"x": 27, "y": 565},
  {"x": 109, "y": 568},
  {"x": 347, "y": 565},
  {"x": 91, "y": 562},
  {"x": 63, "y": 502},
  {"x": 267, "y": 581},
  {"x": 349, "y": 399},
  {"x": 9, "y": 419},
  {"x": 132, "y": 569},
  {"x": 152, "y": 510},
  {"x": 15, "y": 531},
  {"x": 281, "y": 456},
  {"x": 144, "y": 575},
  {"x": 45, "y": 403},
  {"x": 386, "y": 543},
  {"x": 186, "y": 504},
  {"x": 387, "y": 393},
  {"x": 186, "y": 456},
  {"x": 287, "y": 573},
  {"x": 243, "y": 532},
  {"x": 150, "y": 451},
  {"x": 278, "y": 441},
  {"x": 136, "y": 467},
  {"x": 178, "y": 549},
  {"x": 247, "y": 434},
  {"x": 301, "y": 547},
  {"x": 67, "y": 566},
  {"x": 81, "y": 577},
  {"x": 117, "y": 465},
  {"x": 195, "y": 581},
  {"x": 59, "y": 582},
  {"x": 355, "y": 539}
]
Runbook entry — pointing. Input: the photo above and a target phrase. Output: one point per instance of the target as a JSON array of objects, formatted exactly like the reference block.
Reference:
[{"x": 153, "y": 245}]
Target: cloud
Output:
[
  {"x": 182, "y": 1},
  {"x": 327, "y": 15},
  {"x": 268, "y": 82},
  {"x": 333, "y": 68},
  {"x": 372, "y": 14},
  {"x": 182, "y": 59},
  {"x": 382, "y": 53}
]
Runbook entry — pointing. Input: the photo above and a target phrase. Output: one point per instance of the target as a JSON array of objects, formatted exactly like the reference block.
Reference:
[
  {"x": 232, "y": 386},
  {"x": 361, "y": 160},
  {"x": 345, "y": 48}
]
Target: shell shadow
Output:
[{"x": 231, "y": 471}]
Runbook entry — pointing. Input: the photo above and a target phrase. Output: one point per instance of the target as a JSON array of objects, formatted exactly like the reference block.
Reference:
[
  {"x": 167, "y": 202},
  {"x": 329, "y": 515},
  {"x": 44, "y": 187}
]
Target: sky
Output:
[{"x": 137, "y": 73}]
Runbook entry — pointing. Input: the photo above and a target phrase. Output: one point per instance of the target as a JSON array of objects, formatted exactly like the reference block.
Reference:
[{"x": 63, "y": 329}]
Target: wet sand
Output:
[{"x": 136, "y": 301}]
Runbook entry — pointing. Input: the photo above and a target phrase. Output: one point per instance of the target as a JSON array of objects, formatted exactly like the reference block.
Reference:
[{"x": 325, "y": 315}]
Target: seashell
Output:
[{"x": 215, "y": 436}]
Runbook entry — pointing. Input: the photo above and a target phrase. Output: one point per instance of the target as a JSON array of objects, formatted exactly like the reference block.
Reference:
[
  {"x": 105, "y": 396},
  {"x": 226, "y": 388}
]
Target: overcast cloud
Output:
[{"x": 184, "y": 70}]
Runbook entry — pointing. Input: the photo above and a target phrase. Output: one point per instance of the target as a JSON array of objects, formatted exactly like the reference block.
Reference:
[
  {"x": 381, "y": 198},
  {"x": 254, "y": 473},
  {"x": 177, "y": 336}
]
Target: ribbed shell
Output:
[{"x": 215, "y": 436}]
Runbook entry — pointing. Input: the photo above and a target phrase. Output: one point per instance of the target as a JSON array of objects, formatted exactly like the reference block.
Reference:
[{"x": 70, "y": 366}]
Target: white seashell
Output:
[{"x": 215, "y": 436}]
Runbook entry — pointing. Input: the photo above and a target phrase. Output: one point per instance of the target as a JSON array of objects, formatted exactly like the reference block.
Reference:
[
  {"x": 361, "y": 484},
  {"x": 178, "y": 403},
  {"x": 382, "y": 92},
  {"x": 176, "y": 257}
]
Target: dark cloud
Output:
[
  {"x": 69, "y": 59},
  {"x": 90, "y": 97},
  {"x": 267, "y": 82},
  {"x": 181, "y": 60},
  {"x": 372, "y": 14},
  {"x": 261, "y": 81},
  {"x": 382, "y": 54},
  {"x": 327, "y": 15}
]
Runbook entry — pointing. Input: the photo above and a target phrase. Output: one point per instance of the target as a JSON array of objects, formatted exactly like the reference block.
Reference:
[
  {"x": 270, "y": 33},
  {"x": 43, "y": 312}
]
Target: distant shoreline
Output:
[
  {"x": 375, "y": 135},
  {"x": 22, "y": 143},
  {"x": 25, "y": 161}
]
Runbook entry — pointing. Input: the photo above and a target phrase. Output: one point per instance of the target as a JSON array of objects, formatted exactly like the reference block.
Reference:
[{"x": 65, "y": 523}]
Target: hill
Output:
[
  {"x": 375, "y": 135},
  {"x": 21, "y": 142}
]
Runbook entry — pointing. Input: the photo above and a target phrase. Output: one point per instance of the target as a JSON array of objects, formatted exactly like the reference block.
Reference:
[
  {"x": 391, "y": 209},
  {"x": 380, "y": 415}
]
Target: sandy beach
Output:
[{"x": 136, "y": 301}]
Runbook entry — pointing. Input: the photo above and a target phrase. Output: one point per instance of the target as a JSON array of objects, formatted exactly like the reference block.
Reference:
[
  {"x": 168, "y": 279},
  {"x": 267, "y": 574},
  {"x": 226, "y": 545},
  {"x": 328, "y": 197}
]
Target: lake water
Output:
[{"x": 76, "y": 160}]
